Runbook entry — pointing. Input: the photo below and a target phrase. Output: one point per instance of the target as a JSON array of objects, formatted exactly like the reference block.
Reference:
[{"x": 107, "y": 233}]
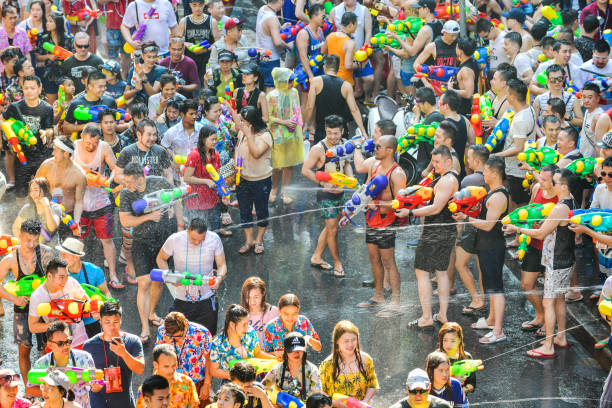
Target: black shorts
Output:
[
  {"x": 144, "y": 255},
  {"x": 203, "y": 312},
  {"x": 491, "y": 263},
  {"x": 383, "y": 238},
  {"x": 434, "y": 249},
  {"x": 24, "y": 173},
  {"x": 467, "y": 240},
  {"x": 515, "y": 187},
  {"x": 532, "y": 261}
]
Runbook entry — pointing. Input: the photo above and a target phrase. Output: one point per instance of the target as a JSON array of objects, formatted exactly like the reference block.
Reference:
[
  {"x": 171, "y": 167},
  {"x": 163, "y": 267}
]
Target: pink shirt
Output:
[{"x": 20, "y": 40}]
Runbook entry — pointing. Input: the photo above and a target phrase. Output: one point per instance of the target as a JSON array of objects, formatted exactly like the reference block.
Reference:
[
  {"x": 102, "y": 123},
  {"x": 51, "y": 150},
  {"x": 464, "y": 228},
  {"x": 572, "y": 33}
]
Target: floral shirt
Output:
[
  {"x": 21, "y": 403},
  {"x": 354, "y": 385},
  {"x": 292, "y": 385},
  {"x": 274, "y": 334},
  {"x": 222, "y": 352},
  {"x": 224, "y": 138},
  {"x": 20, "y": 40},
  {"x": 192, "y": 353},
  {"x": 183, "y": 393}
]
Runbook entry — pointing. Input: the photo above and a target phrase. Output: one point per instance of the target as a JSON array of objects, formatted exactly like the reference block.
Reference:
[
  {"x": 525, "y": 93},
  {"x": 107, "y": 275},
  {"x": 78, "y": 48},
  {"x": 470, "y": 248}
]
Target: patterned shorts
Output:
[
  {"x": 556, "y": 282},
  {"x": 331, "y": 208}
]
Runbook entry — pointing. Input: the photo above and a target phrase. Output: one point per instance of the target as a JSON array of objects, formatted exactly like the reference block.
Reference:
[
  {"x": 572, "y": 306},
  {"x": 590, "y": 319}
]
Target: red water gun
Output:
[
  {"x": 467, "y": 199},
  {"x": 33, "y": 36},
  {"x": 475, "y": 120},
  {"x": 7, "y": 244},
  {"x": 69, "y": 309},
  {"x": 412, "y": 197},
  {"x": 427, "y": 181}
]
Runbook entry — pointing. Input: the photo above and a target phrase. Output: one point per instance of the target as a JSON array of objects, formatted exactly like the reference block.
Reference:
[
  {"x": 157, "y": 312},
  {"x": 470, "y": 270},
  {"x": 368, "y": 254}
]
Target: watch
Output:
[{"x": 358, "y": 146}]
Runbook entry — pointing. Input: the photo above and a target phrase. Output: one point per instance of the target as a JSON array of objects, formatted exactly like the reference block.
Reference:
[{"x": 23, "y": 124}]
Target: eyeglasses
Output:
[
  {"x": 81, "y": 45},
  {"x": 62, "y": 343},
  {"x": 557, "y": 80},
  {"x": 606, "y": 174},
  {"x": 421, "y": 392}
]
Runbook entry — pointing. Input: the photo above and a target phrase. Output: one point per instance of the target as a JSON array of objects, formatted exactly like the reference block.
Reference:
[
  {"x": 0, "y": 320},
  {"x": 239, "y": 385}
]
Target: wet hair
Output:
[
  {"x": 54, "y": 265},
  {"x": 315, "y": 9},
  {"x": 547, "y": 42},
  {"x": 68, "y": 394},
  {"x": 387, "y": 126},
  {"x": 188, "y": 104},
  {"x": 426, "y": 94},
  {"x": 253, "y": 283},
  {"x": 434, "y": 360},
  {"x": 10, "y": 53},
  {"x": 235, "y": 391},
  {"x": 498, "y": 165},
  {"x": 30, "y": 226},
  {"x": 318, "y": 400},
  {"x": 253, "y": 117},
  {"x": 467, "y": 45},
  {"x": 506, "y": 75},
  {"x": 342, "y": 327},
  {"x": 173, "y": 103},
  {"x": 139, "y": 109},
  {"x": 590, "y": 23},
  {"x": 140, "y": 128},
  {"x": 504, "y": 66},
  {"x": 175, "y": 322},
  {"x": 209, "y": 102},
  {"x": 483, "y": 25},
  {"x": 452, "y": 327},
  {"x": 591, "y": 86},
  {"x": 518, "y": 88},
  {"x": 92, "y": 129},
  {"x": 480, "y": 151},
  {"x": 8, "y": 9},
  {"x": 549, "y": 167},
  {"x": 110, "y": 308},
  {"x": 198, "y": 225},
  {"x": 557, "y": 105},
  {"x": 607, "y": 162},
  {"x": 57, "y": 326},
  {"x": 106, "y": 112},
  {"x": 515, "y": 38},
  {"x": 152, "y": 383},
  {"x": 452, "y": 99},
  {"x": 550, "y": 119},
  {"x": 243, "y": 372},
  {"x": 567, "y": 177},
  {"x": 538, "y": 31},
  {"x": 33, "y": 78},
  {"x": 149, "y": 44},
  {"x": 449, "y": 129},
  {"x": 133, "y": 169},
  {"x": 348, "y": 18},
  {"x": 163, "y": 349},
  {"x": 566, "y": 34},
  {"x": 332, "y": 63},
  {"x": 166, "y": 79},
  {"x": 569, "y": 17},
  {"x": 443, "y": 151},
  {"x": 206, "y": 131},
  {"x": 334, "y": 122},
  {"x": 572, "y": 134},
  {"x": 560, "y": 43},
  {"x": 288, "y": 299},
  {"x": 60, "y": 27},
  {"x": 602, "y": 46},
  {"x": 235, "y": 313},
  {"x": 95, "y": 75},
  {"x": 43, "y": 185}
]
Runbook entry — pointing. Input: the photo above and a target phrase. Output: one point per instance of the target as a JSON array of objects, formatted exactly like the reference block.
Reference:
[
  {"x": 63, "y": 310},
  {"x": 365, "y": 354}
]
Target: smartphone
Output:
[{"x": 117, "y": 340}]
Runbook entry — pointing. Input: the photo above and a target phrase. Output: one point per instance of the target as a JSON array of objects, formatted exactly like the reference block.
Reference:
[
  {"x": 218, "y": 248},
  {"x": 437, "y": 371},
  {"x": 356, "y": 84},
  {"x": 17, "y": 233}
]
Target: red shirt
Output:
[
  {"x": 115, "y": 12},
  {"x": 207, "y": 197},
  {"x": 606, "y": 17}
]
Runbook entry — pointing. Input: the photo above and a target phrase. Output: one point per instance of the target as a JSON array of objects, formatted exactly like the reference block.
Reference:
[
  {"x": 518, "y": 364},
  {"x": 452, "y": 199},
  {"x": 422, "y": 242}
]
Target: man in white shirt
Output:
[
  {"x": 600, "y": 63},
  {"x": 486, "y": 30},
  {"x": 160, "y": 23},
  {"x": 521, "y": 61},
  {"x": 195, "y": 251},
  {"x": 182, "y": 138},
  {"x": 563, "y": 53}
]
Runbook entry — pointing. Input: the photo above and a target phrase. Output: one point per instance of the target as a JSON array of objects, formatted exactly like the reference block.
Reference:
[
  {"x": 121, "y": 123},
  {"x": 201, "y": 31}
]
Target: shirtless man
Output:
[
  {"x": 91, "y": 153},
  {"x": 30, "y": 258},
  {"x": 66, "y": 180}
]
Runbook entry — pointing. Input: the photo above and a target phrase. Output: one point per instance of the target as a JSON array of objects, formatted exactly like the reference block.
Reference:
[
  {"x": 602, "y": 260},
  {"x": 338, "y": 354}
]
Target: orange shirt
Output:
[{"x": 335, "y": 45}]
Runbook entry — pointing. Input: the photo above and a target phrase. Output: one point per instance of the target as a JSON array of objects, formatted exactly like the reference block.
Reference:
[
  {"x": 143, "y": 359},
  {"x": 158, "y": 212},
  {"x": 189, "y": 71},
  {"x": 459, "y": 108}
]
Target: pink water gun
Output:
[{"x": 296, "y": 118}]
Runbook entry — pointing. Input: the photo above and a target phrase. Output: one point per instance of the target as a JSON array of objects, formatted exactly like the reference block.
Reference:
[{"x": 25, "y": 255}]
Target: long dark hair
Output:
[
  {"x": 234, "y": 314},
  {"x": 286, "y": 367},
  {"x": 44, "y": 14},
  {"x": 253, "y": 117},
  {"x": 60, "y": 27},
  {"x": 434, "y": 360},
  {"x": 254, "y": 282},
  {"x": 345, "y": 326},
  {"x": 205, "y": 132}
]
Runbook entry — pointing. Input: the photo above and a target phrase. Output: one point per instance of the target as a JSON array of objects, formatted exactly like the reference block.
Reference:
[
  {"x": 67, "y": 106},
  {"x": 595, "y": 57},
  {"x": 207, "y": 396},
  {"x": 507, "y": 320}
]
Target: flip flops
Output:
[
  {"x": 530, "y": 327},
  {"x": 324, "y": 266},
  {"x": 370, "y": 303},
  {"x": 115, "y": 284},
  {"x": 415, "y": 325},
  {"x": 470, "y": 310},
  {"x": 491, "y": 338},
  {"x": 533, "y": 353}
]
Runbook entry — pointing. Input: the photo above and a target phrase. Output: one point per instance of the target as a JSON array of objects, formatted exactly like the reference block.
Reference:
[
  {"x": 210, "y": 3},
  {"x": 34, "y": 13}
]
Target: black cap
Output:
[
  {"x": 226, "y": 55},
  {"x": 294, "y": 341},
  {"x": 430, "y": 4},
  {"x": 250, "y": 68}
]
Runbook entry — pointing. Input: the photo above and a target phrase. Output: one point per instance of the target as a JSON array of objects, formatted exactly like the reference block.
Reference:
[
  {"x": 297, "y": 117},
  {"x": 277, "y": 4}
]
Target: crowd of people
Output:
[{"x": 111, "y": 104}]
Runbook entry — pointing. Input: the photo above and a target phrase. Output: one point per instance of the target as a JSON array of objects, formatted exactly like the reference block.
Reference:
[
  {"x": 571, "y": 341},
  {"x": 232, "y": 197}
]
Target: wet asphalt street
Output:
[{"x": 509, "y": 379}]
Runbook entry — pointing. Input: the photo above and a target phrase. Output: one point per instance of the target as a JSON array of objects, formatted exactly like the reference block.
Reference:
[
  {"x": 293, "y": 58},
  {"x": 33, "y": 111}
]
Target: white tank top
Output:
[
  {"x": 359, "y": 34},
  {"x": 95, "y": 198},
  {"x": 587, "y": 135},
  {"x": 263, "y": 41}
]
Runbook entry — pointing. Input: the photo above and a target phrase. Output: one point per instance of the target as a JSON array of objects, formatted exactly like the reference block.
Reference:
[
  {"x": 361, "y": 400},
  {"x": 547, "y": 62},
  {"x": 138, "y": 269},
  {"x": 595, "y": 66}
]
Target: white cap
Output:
[
  {"x": 418, "y": 378},
  {"x": 451, "y": 27}
]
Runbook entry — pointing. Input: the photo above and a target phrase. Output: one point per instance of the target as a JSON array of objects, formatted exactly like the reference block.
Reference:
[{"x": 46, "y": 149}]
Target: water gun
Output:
[
  {"x": 605, "y": 307},
  {"x": 475, "y": 119},
  {"x": 24, "y": 286},
  {"x": 185, "y": 278},
  {"x": 261, "y": 365},
  {"x": 573, "y": 89},
  {"x": 499, "y": 132},
  {"x": 14, "y": 142},
  {"x": 416, "y": 134},
  {"x": 594, "y": 218},
  {"x": 90, "y": 114},
  {"x": 552, "y": 16},
  {"x": 94, "y": 293},
  {"x": 411, "y": 25},
  {"x": 299, "y": 76},
  {"x": 284, "y": 400},
  {"x": 95, "y": 179},
  {"x": 85, "y": 15},
  {"x": 61, "y": 100},
  {"x": 486, "y": 107},
  {"x": 465, "y": 367},
  {"x": 296, "y": 118},
  {"x": 584, "y": 166},
  {"x": 382, "y": 39},
  {"x": 289, "y": 34},
  {"x": 443, "y": 11},
  {"x": 3, "y": 100},
  {"x": 337, "y": 179},
  {"x": 363, "y": 53},
  {"x": 256, "y": 54},
  {"x": 229, "y": 95},
  {"x": 525, "y": 217},
  {"x": 76, "y": 375},
  {"x": 66, "y": 218},
  {"x": 525, "y": 5},
  {"x": 439, "y": 73},
  {"x": 33, "y": 36},
  {"x": 120, "y": 101},
  {"x": 199, "y": 46},
  {"x": 327, "y": 28},
  {"x": 481, "y": 55},
  {"x": 540, "y": 157},
  {"x": 607, "y": 35},
  {"x": 7, "y": 244},
  {"x": 342, "y": 151},
  {"x": 362, "y": 197},
  {"x": 68, "y": 309},
  {"x": 23, "y": 132},
  {"x": 59, "y": 52},
  {"x": 328, "y": 5},
  {"x": 427, "y": 181},
  {"x": 467, "y": 201},
  {"x": 603, "y": 83},
  {"x": 139, "y": 34},
  {"x": 179, "y": 159},
  {"x": 219, "y": 181},
  {"x": 162, "y": 199},
  {"x": 350, "y": 402},
  {"x": 377, "y": 8},
  {"x": 238, "y": 170},
  {"x": 412, "y": 197},
  {"x": 316, "y": 64}
]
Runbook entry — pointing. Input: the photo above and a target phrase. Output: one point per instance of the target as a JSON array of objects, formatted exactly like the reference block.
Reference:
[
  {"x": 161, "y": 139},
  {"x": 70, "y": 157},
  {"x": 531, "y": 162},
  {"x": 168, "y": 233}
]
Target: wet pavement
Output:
[{"x": 509, "y": 379}]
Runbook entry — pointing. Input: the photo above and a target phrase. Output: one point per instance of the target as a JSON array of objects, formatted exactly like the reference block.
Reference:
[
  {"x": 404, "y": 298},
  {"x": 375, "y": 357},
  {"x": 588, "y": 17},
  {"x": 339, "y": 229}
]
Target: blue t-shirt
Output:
[
  {"x": 125, "y": 398},
  {"x": 458, "y": 397},
  {"x": 95, "y": 277},
  {"x": 116, "y": 90},
  {"x": 152, "y": 76}
]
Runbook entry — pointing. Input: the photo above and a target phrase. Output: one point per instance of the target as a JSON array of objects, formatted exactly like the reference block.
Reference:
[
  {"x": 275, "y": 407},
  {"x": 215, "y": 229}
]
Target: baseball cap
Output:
[
  {"x": 451, "y": 27},
  {"x": 250, "y": 68},
  {"x": 430, "y": 4},
  {"x": 232, "y": 22},
  {"x": 606, "y": 141},
  {"x": 294, "y": 341},
  {"x": 56, "y": 378},
  {"x": 111, "y": 66},
  {"x": 9, "y": 378},
  {"x": 226, "y": 55},
  {"x": 196, "y": 1},
  {"x": 515, "y": 14},
  {"x": 417, "y": 378}
]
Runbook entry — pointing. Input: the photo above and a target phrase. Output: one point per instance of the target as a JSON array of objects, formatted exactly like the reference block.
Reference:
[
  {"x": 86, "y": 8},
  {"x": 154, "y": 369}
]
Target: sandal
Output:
[
  {"x": 601, "y": 344},
  {"x": 339, "y": 273},
  {"x": 481, "y": 324},
  {"x": 286, "y": 199},
  {"x": 225, "y": 232},
  {"x": 272, "y": 198},
  {"x": 415, "y": 325},
  {"x": 530, "y": 326},
  {"x": 156, "y": 321},
  {"x": 115, "y": 284},
  {"x": 245, "y": 249},
  {"x": 533, "y": 353},
  {"x": 259, "y": 248},
  {"x": 595, "y": 295},
  {"x": 131, "y": 279},
  {"x": 370, "y": 303},
  {"x": 324, "y": 266},
  {"x": 471, "y": 310},
  {"x": 491, "y": 338},
  {"x": 540, "y": 332}
]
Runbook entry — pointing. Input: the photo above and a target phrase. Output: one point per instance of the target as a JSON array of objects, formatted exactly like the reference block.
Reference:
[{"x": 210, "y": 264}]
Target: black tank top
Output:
[
  {"x": 493, "y": 239},
  {"x": 445, "y": 54},
  {"x": 564, "y": 242},
  {"x": 330, "y": 101},
  {"x": 444, "y": 217},
  {"x": 250, "y": 101},
  {"x": 466, "y": 103},
  {"x": 195, "y": 33},
  {"x": 460, "y": 141},
  {"x": 38, "y": 271},
  {"x": 436, "y": 29}
]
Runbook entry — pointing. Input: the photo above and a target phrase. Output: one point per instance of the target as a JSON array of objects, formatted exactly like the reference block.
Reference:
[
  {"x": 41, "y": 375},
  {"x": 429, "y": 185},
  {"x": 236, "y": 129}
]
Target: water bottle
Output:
[{"x": 210, "y": 82}]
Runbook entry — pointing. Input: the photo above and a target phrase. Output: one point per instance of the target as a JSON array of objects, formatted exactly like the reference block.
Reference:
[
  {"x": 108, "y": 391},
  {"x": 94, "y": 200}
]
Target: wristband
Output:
[{"x": 181, "y": 225}]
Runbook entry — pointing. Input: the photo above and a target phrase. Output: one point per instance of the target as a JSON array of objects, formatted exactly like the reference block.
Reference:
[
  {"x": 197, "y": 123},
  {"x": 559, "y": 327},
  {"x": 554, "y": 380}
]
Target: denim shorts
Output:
[
  {"x": 364, "y": 72},
  {"x": 266, "y": 70},
  {"x": 115, "y": 42},
  {"x": 406, "y": 77},
  {"x": 21, "y": 331}
]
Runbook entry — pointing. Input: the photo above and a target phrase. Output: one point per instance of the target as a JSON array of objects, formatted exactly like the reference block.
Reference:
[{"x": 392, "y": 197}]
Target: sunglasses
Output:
[
  {"x": 62, "y": 343},
  {"x": 81, "y": 45},
  {"x": 150, "y": 48},
  {"x": 606, "y": 174},
  {"x": 9, "y": 378},
  {"x": 421, "y": 392},
  {"x": 557, "y": 80}
]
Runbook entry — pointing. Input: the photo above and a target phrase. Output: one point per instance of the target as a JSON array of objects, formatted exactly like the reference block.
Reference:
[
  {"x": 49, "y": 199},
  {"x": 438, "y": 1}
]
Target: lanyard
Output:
[
  {"x": 104, "y": 348},
  {"x": 179, "y": 353},
  {"x": 142, "y": 161},
  {"x": 52, "y": 362}
]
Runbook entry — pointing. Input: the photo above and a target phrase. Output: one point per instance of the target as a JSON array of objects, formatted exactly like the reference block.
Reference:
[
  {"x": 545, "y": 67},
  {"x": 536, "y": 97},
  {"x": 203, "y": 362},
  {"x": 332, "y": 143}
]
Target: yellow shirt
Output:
[{"x": 354, "y": 384}]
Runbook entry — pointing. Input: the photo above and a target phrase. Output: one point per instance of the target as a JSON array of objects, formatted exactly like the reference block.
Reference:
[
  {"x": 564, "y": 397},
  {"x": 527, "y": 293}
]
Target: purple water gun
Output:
[{"x": 140, "y": 32}]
